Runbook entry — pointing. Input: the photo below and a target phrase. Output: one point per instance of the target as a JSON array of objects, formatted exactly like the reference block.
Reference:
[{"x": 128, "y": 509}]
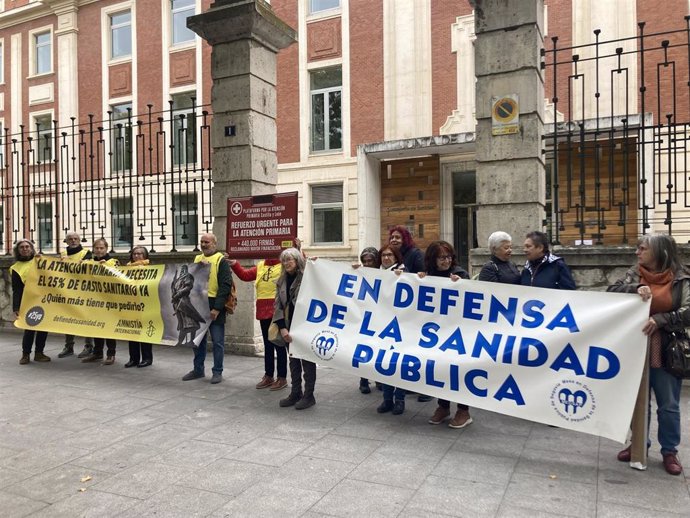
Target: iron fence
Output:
[
  {"x": 132, "y": 179},
  {"x": 617, "y": 151}
]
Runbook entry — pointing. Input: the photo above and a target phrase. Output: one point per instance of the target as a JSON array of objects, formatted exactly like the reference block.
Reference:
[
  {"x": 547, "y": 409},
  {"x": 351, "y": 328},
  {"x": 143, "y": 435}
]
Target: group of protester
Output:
[{"x": 658, "y": 274}]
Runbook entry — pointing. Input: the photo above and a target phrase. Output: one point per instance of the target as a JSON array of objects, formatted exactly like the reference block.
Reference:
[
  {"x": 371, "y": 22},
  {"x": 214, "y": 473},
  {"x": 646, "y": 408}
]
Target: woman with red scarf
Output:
[{"x": 659, "y": 274}]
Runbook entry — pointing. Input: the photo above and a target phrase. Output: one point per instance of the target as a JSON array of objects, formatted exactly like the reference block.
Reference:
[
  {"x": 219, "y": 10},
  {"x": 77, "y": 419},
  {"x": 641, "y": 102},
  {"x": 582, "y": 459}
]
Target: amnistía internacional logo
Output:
[
  {"x": 325, "y": 345},
  {"x": 573, "y": 401}
]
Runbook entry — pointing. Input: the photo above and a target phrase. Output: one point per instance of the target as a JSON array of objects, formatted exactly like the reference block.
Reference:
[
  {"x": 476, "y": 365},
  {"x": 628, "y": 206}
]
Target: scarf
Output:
[{"x": 660, "y": 283}]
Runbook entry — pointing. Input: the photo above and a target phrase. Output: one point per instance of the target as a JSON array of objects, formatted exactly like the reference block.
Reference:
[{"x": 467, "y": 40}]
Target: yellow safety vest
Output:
[
  {"x": 22, "y": 269},
  {"x": 215, "y": 260},
  {"x": 74, "y": 257},
  {"x": 266, "y": 277}
]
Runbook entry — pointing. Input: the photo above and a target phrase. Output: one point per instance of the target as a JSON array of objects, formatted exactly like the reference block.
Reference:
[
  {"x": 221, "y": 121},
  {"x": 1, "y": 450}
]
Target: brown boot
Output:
[
  {"x": 461, "y": 419},
  {"x": 25, "y": 359},
  {"x": 265, "y": 382},
  {"x": 279, "y": 384},
  {"x": 40, "y": 357},
  {"x": 439, "y": 416}
]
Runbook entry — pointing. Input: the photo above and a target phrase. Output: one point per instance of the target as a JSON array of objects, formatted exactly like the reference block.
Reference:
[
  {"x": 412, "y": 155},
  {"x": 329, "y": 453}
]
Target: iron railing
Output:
[
  {"x": 131, "y": 179},
  {"x": 617, "y": 160}
]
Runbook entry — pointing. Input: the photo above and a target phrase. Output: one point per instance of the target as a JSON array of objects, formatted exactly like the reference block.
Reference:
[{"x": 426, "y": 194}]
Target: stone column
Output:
[
  {"x": 510, "y": 168},
  {"x": 245, "y": 36}
]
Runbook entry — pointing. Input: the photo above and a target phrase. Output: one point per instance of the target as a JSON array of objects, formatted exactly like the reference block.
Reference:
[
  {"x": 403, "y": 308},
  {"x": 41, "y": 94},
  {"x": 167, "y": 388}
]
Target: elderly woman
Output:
[
  {"x": 660, "y": 274},
  {"x": 24, "y": 253},
  {"x": 544, "y": 269},
  {"x": 288, "y": 286},
  {"x": 499, "y": 268}
]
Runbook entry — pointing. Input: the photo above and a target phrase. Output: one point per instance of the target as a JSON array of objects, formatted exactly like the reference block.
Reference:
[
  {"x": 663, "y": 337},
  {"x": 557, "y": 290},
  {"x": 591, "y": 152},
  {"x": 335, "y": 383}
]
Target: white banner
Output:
[{"x": 572, "y": 359}]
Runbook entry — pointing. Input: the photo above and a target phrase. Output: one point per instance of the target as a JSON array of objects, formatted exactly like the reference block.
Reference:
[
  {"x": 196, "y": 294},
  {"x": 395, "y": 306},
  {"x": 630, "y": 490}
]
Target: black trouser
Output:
[
  {"x": 298, "y": 366},
  {"x": 140, "y": 352},
  {"x": 28, "y": 340},
  {"x": 446, "y": 404},
  {"x": 98, "y": 346},
  {"x": 271, "y": 351}
]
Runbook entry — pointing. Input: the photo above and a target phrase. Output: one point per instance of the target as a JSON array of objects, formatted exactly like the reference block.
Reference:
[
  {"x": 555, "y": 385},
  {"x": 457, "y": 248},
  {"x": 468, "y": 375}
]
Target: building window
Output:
[
  {"x": 121, "y": 137},
  {"x": 121, "y": 35},
  {"x": 316, "y": 6},
  {"x": 43, "y": 133},
  {"x": 327, "y": 213},
  {"x": 184, "y": 128},
  {"x": 326, "y": 120},
  {"x": 44, "y": 217},
  {"x": 185, "y": 215},
  {"x": 122, "y": 222},
  {"x": 43, "y": 53},
  {"x": 180, "y": 11}
]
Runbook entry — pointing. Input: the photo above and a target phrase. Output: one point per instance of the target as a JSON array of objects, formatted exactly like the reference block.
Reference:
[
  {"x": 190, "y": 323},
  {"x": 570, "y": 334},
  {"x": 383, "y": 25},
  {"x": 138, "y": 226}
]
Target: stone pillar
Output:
[
  {"x": 510, "y": 168},
  {"x": 245, "y": 36}
]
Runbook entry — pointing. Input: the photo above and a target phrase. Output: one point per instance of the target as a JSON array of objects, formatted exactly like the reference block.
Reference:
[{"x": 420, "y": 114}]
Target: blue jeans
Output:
[
  {"x": 666, "y": 390},
  {"x": 389, "y": 392},
  {"x": 217, "y": 331}
]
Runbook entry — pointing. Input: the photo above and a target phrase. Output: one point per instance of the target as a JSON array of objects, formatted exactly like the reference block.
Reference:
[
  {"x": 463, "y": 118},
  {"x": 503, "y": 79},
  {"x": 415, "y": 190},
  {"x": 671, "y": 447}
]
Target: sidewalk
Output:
[{"x": 154, "y": 445}]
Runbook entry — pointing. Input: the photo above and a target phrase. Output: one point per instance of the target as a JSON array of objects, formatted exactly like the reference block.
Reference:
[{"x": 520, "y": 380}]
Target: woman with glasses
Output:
[
  {"x": 265, "y": 276},
  {"x": 440, "y": 261},
  {"x": 288, "y": 286}
]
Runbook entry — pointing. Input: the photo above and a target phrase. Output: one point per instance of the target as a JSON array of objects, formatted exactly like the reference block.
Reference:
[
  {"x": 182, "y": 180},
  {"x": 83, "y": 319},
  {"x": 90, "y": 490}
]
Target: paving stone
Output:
[
  {"x": 406, "y": 472},
  {"x": 37, "y": 460},
  {"x": 165, "y": 436},
  {"x": 114, "y": 458},
  {"x": 207, "y": 417},
  {"x": 610, "y": 510},
  {"x": 453, "y": 497},
  {"x": 58, "y": 483},
  {"x": 14, "y": 506},
  {"x": 143, "y": 480},
  {"x": 634, "y": 488},
  {"x": 358, "y": 498},
  {"x": 580, "y": 466},
  {"x": 9, "y": 476},
  {"x": 501, "y": 445},
  {"x": 510, "y": 511},
  {"x": 551, "y": 495},
  {"x": 476, "y": 467},
  {"x": 195, "y": 453},
  {"x": 313, "y": 473},
  {"x": 342, "y": 448},
  {"x": 177, "y": 502},
  {"x": 406, "y": 445},
  {"x": 227, "y": 476},
  {"x": 269, "y": 499},
  {"x": 267, "y": 451}
]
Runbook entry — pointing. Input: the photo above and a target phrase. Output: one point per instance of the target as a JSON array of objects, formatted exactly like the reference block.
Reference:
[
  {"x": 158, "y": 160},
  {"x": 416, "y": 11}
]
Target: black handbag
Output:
[{"x": 677, "y": 354}]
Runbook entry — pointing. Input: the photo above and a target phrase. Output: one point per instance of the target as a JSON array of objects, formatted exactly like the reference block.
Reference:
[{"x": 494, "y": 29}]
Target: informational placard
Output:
[
  {"x": 260, "y": 227},
  {"x": 505, "y": 115}
]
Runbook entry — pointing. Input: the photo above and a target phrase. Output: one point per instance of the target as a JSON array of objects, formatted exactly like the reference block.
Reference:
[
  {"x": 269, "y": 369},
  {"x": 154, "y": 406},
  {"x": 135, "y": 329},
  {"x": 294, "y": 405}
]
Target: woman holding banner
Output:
[
  {"x": 265, "y": 275},
  {"x": 369, "y": 258},
  {"x": 140, "y": 353},
  {"x": 660, "y": 275},
  {"x": 401, "y": 239},
  {"x": 101, "y": 255},
  {"x": 440, "y": 261},
  {"x": 288, "y": 285},
  {"x": 24, "y": 253},
  {"x": 499, "y": 268}
]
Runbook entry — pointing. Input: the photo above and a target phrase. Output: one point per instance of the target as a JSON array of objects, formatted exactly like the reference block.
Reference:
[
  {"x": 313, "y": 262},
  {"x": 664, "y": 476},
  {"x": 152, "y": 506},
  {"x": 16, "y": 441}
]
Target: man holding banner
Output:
[{"x": 219, "y": 283}]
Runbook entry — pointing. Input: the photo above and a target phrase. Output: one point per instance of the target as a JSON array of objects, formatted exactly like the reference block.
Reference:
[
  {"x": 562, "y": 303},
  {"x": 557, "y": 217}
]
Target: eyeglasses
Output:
[
  {"x": 387, "y": 255},
  {"x": 444, "y": 257}
]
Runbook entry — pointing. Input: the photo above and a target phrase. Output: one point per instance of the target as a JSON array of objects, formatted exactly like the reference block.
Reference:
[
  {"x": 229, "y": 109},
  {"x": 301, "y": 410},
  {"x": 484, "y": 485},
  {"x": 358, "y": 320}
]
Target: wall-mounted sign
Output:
[
  {"x": 260, "y": 227},
  {"x": 505, "y": 115}
]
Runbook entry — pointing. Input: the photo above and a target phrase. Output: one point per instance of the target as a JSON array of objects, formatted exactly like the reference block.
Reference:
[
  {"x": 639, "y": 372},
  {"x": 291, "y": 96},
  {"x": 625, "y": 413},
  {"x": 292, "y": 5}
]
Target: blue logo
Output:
[
  {"x": 573, "y": 401},
  {"x": 325, "y": 345}
]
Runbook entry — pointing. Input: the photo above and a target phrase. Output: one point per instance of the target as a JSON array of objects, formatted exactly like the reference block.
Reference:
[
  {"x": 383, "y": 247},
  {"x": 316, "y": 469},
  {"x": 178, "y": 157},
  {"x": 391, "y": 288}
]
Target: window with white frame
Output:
[
  {"x": 185, "y": 216},
  {"x": 316, "y": 6},
  {"x": 327, "y": 213},
  {"x": 121, "y": 34},
  {"x": 43, "y": 52},
  {"x": 44, "y": 225},
  {"x": 121, "y": 137},
  {"x": 121, "y": 219},
  {"x": 326, "y": 117},
  {"x": 180, "y": 10},
  {"x": 42, "y": 132},
  {"x": 184, "y": 128}
]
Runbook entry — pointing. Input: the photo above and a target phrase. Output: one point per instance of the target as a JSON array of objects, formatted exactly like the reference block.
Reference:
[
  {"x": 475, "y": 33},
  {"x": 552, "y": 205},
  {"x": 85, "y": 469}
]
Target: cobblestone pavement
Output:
[{"x": 91, "y": 440}]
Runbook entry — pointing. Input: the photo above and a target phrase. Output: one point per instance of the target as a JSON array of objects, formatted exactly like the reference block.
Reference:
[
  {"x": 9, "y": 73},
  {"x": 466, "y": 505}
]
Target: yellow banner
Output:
[{"x": 163, "y": 304}]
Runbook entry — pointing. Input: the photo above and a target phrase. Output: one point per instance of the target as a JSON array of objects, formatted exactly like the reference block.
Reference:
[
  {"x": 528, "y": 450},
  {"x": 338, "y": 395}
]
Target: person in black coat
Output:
[
  {"x": 544, "y": 269},
  {"x": 401, "y": 239},
  {"x": 440, "y": 261},
  {"x": 499, "y": 268}
]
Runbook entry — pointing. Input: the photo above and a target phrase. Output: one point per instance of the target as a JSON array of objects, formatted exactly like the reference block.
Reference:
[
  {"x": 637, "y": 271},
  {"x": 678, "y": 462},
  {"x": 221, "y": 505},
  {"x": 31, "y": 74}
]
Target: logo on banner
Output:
[
  {"x": 573, "y": 401},
  {"x": 34, "y": 316},
  {"x": 325, "y": 345}
]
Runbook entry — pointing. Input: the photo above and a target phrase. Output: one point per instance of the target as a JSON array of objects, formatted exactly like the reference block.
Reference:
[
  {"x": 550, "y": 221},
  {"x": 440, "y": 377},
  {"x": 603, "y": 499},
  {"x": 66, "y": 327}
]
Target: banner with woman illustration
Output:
[
  {"x": 570, "y": 359},
  {"x": 162, "y": 304}
]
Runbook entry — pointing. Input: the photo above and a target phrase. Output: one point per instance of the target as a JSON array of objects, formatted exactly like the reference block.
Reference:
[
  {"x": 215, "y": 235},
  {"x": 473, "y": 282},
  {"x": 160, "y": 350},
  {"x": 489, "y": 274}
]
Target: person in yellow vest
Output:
[
  {"x": 101, "y": 255},
  {"x": 75, "y": 252},
  {"x": 24, "y": 253},
  {"x": 265, "y": 276},
  {"x": 219, "y": 284}
]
